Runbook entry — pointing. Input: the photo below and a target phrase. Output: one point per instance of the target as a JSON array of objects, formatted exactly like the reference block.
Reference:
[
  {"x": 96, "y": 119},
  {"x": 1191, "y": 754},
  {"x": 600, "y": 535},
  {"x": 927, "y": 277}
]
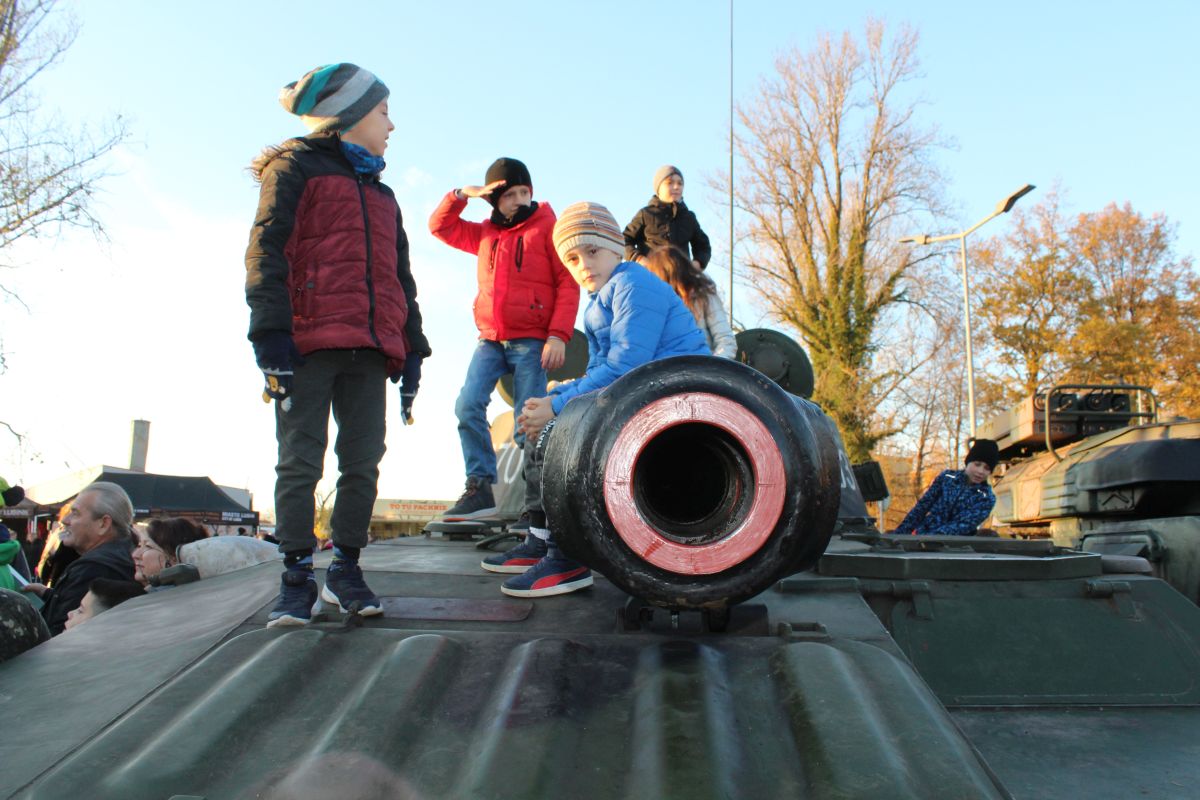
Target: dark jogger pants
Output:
[{"x": 354, "y": 384}]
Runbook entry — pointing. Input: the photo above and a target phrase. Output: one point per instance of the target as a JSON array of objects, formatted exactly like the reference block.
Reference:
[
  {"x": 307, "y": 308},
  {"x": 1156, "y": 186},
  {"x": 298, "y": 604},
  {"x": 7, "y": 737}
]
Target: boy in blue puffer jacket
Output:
[{"x": 632, "y": 318}]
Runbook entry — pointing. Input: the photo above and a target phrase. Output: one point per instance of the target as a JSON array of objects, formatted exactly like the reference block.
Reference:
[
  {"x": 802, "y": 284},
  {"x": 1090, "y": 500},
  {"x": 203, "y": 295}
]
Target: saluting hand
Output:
[{"x": 481, "y": 191}]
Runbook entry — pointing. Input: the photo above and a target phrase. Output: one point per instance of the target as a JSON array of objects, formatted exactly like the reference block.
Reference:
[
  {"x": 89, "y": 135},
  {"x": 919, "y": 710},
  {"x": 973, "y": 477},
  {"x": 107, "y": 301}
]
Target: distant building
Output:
[
  {"x": 222, "y": 509},
  {"x": 392, "y": 518}
]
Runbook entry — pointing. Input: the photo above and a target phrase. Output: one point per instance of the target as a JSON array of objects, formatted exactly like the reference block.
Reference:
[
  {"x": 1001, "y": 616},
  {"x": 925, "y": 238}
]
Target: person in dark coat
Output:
[
  {"x": 666, "y": 220},
  {"x": 100, "y": 528},
  {"x": 333, "y": 315}
]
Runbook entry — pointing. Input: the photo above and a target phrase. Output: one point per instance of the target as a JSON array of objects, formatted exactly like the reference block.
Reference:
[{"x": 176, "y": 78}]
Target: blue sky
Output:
[{"x": 1097, "y": 97}]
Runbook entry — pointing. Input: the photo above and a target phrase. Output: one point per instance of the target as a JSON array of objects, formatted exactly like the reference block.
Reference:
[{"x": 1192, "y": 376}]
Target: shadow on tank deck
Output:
[{"x": 458, "y": 691}]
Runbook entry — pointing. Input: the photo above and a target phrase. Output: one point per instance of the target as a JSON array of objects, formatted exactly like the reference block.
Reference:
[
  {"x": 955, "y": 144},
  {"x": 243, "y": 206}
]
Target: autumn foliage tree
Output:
[
  {"x": 1028, "y": 297},
  {"x": 1101, "y": 298},
  {"x": 832, "y": 161},
  {"x": 1139, "y": 311}
]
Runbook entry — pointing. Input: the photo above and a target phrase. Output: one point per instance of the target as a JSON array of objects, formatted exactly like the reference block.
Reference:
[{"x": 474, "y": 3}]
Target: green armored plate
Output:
[
  {"x": 960, "y": 565},
  {"x": 778, "y": 357}
]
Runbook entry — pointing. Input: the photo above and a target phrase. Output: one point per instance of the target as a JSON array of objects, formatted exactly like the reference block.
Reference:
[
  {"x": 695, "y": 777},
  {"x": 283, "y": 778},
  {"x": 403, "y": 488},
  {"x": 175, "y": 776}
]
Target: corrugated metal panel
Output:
[
  {"x": 493, "y": 716},
  {"x": 457, "y": 691}
]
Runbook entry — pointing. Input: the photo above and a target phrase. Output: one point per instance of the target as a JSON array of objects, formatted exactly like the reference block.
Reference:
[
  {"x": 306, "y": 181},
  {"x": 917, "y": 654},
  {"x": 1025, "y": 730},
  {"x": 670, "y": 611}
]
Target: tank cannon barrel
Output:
[{"x": 693, "y": 482}]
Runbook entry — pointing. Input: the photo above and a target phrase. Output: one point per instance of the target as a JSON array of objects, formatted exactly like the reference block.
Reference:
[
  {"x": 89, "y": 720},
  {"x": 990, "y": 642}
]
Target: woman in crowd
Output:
[{"x": 158, "y": 544}]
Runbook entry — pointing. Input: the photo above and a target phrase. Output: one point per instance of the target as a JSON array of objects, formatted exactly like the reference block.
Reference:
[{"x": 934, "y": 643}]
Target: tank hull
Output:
[{"x": 1132, "y": 491}]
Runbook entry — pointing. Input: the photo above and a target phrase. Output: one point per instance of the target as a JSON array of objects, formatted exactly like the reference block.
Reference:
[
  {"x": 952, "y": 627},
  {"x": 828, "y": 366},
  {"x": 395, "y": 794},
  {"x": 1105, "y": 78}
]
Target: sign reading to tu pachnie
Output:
[{"x": 409, "y": 510}]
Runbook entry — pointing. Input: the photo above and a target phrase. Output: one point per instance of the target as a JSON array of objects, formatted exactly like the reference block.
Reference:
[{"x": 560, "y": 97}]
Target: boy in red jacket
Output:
[{"x": 525, "y": 311}]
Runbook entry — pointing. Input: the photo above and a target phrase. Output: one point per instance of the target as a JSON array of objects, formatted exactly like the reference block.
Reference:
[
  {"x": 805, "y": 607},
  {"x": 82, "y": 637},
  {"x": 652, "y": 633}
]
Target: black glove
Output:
[
  {"x": 410, "y": 381},
  {"x": 277, "y": 357},
  {"x": 177, "y": 575}
]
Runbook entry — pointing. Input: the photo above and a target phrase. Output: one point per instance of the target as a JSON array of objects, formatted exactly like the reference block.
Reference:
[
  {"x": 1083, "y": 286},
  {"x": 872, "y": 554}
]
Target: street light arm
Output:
[
  {"x": 925, "y": 238},
  {"x": 1003, "y": 207},
  {"x": 980, "y": 224}
]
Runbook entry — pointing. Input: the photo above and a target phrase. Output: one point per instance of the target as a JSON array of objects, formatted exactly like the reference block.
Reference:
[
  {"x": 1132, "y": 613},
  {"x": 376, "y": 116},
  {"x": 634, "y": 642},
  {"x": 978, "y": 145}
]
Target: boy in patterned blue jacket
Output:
[
  {"x": 632, "y": 318},
  {"x": 958, "y": 500}
]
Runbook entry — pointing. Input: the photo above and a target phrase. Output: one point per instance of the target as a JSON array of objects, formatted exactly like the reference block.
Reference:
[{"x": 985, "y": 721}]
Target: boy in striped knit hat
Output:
[
  {"x": 333, "y": 315},
  {"x": 632, "y": 318}
]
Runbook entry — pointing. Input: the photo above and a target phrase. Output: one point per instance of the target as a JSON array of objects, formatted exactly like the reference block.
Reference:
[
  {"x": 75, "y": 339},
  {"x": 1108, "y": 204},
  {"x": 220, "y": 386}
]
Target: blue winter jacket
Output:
[
  {"x": 632, "y": 320},
  {"x": 951, "y": 506}
]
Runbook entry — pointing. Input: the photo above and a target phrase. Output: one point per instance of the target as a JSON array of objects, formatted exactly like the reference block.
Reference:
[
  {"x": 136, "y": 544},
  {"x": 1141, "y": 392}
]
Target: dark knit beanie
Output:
[
  {"x": 664, "y": 172},
  {"x": 587, "y": 223},
  {"x": 984, "y": 450},
  {"x": 334, "y": 97},
  {"x": 509, "y": 170}
]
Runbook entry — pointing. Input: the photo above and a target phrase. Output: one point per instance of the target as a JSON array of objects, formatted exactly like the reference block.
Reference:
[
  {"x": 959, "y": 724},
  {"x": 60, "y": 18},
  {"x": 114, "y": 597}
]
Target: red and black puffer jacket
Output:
[
  {"x": 328, "y": 256},
  {"x": 524, "y": 289}
]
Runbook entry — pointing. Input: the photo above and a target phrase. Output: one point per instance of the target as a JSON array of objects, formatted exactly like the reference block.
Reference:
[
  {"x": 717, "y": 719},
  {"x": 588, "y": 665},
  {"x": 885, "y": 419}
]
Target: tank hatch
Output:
[{"x": 959, "y": 558}]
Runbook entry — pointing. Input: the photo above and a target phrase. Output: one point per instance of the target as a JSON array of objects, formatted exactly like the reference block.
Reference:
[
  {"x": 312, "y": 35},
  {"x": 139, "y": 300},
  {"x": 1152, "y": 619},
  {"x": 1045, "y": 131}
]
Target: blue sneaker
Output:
[
  {"x": 519, "y": 558},
  {"x": 553, "y": 574},
  {"x": 344, "y": 585},
  {"x": 297, "y": 595}
]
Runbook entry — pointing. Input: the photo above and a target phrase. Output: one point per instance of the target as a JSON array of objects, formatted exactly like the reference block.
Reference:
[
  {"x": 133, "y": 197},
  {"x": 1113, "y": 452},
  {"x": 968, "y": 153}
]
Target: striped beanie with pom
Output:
[
  {"x": 334, "y": 97},
  {"x": 587, "y": 223}
]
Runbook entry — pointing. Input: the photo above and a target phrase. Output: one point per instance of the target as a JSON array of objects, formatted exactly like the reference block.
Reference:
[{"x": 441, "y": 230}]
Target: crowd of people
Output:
[{"x": 96, "y": 557}]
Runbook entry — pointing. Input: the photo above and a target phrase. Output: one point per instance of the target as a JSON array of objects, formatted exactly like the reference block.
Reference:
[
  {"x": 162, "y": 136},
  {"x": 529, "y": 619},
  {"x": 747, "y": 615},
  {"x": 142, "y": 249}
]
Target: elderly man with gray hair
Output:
[{"x": 99, "y": 527}]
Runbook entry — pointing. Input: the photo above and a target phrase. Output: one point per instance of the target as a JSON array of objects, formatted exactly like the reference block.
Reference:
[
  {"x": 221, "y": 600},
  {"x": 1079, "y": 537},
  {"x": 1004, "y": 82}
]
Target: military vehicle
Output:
[
  {"x": 735, "y": 645},
  {"x": 1092, "y": 467}
]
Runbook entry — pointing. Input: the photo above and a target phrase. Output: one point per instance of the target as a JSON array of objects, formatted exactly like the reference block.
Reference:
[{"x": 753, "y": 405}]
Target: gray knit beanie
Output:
[
  {"x": 664, "y": 172},
  {"x": 587, "y": 223},
  {"x": 334, "y": 97}
]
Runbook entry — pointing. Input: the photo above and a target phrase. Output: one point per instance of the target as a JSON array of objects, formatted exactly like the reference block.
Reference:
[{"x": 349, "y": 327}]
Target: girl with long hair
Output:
[{"x": 698, "y": 293}]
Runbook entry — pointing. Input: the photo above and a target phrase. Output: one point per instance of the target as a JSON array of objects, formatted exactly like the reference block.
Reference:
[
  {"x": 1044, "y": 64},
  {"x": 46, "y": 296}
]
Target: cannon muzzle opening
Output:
[{"x": 693, "y": 482}]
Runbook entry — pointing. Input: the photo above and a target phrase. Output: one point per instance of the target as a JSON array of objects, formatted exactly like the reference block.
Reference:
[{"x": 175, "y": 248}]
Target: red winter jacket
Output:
[
  {"x": 524, "y": 289},
  {"x": 328, "y": 257}
]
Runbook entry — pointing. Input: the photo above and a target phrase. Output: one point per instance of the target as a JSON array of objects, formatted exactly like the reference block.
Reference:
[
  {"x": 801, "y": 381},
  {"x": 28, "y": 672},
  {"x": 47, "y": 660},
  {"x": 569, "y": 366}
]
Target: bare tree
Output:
[
  {"x": 831, "y": 160},
  {"x": 928, "y": 405},
  {"x": 324, "y": 512},
  {"x": 48, "y": 171}
]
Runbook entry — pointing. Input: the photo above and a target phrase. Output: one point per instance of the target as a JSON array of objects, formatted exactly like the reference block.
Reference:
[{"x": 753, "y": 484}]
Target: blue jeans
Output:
[{"x": 521, "y": 357}]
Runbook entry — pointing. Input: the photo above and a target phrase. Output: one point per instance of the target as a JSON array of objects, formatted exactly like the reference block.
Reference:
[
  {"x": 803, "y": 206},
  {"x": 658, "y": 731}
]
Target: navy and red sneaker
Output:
[
  {"x": 553, "y": 574},
  {"x": 519, "y": 558}
]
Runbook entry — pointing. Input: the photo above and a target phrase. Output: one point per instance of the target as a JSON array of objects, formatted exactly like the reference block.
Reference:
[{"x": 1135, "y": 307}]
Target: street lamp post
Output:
[{"x": 1003, "y": 207}]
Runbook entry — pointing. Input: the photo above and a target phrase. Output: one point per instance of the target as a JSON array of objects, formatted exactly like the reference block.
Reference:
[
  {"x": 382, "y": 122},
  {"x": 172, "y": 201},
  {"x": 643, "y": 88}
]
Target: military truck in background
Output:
[{"x": 1093, "y": 468}]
